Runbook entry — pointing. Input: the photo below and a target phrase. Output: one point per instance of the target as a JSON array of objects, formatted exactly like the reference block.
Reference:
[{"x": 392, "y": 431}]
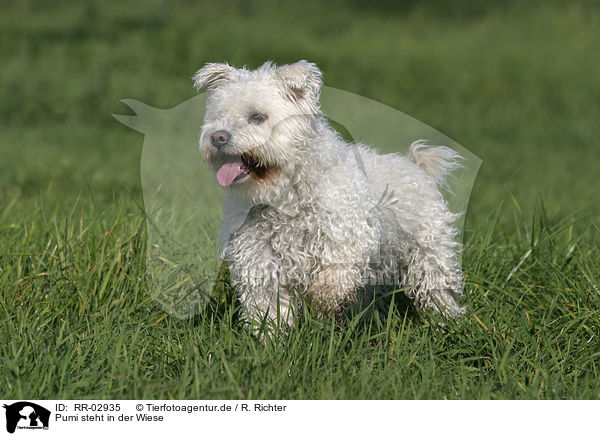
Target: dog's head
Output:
[{"x": 257, "y": 122}]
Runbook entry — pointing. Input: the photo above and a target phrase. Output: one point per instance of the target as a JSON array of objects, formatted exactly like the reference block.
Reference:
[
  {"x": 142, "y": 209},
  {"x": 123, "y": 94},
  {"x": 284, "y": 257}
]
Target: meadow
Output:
[{"x": 515, "y": 83}]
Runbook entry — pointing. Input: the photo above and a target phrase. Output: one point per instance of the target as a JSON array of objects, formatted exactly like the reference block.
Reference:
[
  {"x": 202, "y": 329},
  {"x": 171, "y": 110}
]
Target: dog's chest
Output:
[{"x": 274, "y": 241}]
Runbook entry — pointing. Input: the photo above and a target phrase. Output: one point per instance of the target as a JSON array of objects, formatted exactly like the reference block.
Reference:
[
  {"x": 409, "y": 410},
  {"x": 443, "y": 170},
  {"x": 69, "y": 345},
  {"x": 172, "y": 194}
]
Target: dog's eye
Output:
[{"x": 256, "y": 118}]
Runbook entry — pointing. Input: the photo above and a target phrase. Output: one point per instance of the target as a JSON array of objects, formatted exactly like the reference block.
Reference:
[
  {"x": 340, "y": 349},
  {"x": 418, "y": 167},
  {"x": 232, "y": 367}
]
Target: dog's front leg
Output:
[
  {"x": 332, "y": 288},
  {"x": 265, "y": 303}
]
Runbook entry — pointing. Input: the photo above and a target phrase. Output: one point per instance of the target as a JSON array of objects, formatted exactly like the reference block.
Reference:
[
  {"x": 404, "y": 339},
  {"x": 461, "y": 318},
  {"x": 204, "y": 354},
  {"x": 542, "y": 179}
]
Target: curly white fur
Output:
[{"x": 326, "y": 219}]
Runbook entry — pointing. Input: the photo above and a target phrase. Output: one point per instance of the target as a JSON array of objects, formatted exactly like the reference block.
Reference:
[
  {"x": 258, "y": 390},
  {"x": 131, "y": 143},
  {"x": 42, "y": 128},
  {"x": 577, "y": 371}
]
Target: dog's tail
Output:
[{"x": 438, "y": 162}]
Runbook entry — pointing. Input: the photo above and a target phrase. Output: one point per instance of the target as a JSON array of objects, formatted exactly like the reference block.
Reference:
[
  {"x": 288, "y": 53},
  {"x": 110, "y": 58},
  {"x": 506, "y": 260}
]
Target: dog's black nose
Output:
[{"x": 220, "y": 138}]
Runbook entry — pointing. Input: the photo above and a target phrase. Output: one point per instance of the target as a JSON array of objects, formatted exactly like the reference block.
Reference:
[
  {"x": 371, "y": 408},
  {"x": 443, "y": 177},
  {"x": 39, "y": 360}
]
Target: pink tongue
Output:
[{"x": 228, "y": 172}]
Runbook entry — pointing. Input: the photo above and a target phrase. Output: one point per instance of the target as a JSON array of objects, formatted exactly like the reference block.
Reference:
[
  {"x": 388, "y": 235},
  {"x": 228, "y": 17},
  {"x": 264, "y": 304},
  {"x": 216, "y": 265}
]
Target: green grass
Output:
[{"x": 516, "y": 85}]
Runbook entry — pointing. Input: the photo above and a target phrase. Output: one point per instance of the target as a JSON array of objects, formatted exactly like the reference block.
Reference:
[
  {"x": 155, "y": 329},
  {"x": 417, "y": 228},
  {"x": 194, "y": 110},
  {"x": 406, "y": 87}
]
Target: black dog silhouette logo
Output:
[{"x": 26, "y": 415}]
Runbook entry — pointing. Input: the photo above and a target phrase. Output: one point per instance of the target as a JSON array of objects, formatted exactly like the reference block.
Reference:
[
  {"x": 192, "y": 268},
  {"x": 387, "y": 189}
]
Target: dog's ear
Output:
[
  {"x": 212, "y": 75},
  {"x": 301, "y": 81}
]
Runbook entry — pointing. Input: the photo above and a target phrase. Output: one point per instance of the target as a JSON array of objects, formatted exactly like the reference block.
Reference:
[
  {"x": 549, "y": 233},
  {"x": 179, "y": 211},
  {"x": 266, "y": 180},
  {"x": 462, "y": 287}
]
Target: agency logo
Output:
[{"x": 26, "y": 415}]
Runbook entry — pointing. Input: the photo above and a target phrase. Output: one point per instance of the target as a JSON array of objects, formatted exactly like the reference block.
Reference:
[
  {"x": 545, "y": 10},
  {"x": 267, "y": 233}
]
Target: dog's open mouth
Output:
[{"x": 238, "y": 168}]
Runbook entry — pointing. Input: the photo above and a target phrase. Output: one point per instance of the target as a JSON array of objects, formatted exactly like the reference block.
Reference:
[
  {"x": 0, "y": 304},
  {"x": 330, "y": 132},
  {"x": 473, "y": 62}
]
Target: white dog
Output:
[{"x": 326, "y": 220}]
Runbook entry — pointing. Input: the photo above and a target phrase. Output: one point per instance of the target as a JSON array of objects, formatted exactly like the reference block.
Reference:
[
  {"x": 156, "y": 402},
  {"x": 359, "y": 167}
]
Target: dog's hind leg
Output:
[{"x": 434, "y": 272}]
